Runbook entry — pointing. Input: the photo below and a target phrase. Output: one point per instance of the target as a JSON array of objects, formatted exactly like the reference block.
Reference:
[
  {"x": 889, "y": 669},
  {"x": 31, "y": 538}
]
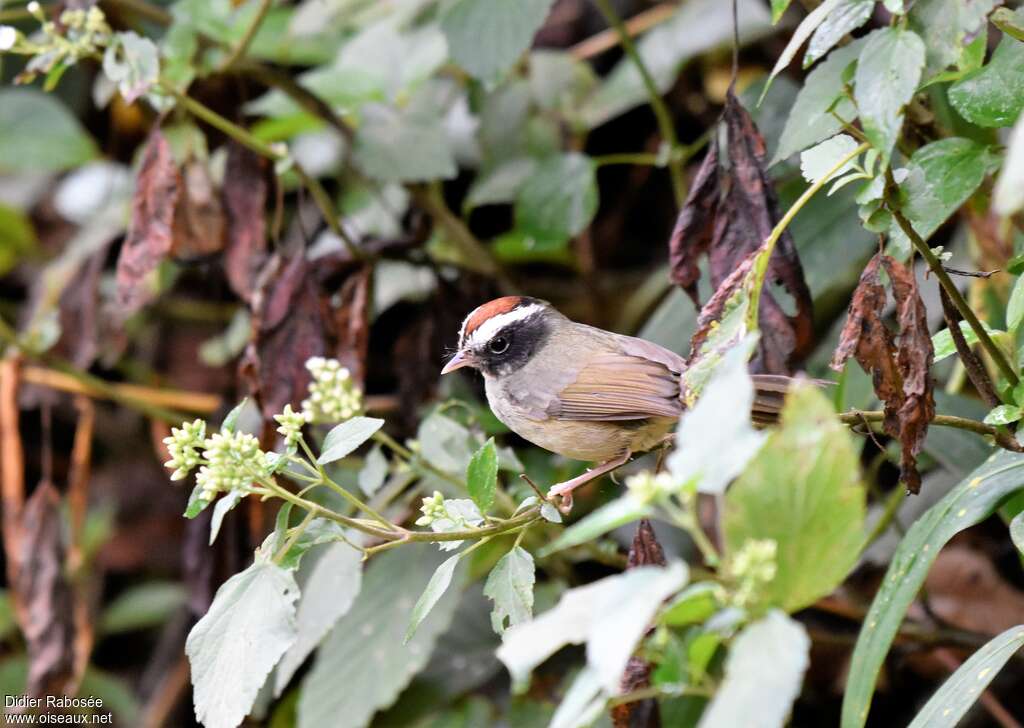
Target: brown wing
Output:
[{"x": 619, "y": 386}]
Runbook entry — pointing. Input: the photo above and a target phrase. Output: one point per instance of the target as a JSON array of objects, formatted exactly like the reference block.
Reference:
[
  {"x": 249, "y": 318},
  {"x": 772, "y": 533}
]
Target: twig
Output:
[
  {"x": 12, "y": 460},
  {"x": 972, "y": 273},
  {"x": 658, "y": 106},
  {"x": 243, "y": 44},
  {"x": 1002, "y": 438},
  {"x": 179, "y": 399},
  {"x": 609, "y": 38},
  {"x": 641, "y": 158},
  {"x": 78, "y": 481},
  {"x": 947, "y": 283},
  {"x": 972, "y": 365}
]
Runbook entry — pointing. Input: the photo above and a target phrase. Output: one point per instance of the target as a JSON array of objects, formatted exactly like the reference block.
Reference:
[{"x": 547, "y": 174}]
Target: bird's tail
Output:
[{"x": 770, "y": 393}]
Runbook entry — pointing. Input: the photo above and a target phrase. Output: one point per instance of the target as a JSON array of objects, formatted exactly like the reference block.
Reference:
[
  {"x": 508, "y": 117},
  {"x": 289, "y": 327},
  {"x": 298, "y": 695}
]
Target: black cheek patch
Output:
[{"x": 525, "y": 338}]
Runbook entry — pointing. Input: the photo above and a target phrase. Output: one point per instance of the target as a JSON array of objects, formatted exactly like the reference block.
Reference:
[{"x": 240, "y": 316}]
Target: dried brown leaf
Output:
[
  {"x": 899, "y": 366},
  {"x": 729, "y": 212},
  {"x": 289, "y": 326},
  {"x": 150, "y": 233},
  {"x": 245, "y": 200},
  {"x": 43, "y": 598},
  {"x": 199, "y": 220}
]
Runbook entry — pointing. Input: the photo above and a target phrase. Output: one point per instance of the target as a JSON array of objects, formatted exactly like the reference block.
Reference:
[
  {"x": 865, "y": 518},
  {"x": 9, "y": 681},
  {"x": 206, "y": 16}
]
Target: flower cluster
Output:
[
  {"x": 77, "y": 35},
  {"x": 333, "y": 394},
  {"x": 291, "y": 425},
  {"x": 227, "y": 461},
  {"x": 433, "y": 508},
  {"x": 648, "y": 487},
  {"x": 752, "y": 568},
  {"x": 182, "y": 446}
]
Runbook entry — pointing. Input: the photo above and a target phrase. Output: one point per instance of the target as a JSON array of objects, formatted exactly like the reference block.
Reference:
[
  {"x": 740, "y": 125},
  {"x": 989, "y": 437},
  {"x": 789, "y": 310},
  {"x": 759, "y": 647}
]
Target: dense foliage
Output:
[{"x": 292, "y": 205}]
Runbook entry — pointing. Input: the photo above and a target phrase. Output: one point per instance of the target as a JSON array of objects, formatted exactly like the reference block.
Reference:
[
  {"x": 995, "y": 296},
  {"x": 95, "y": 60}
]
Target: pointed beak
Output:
[{"x": 461, "y": 359}]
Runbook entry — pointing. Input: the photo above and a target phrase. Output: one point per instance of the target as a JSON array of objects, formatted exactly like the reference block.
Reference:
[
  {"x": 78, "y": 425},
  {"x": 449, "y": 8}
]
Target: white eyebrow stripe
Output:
[{"x": 493, "y": 325}]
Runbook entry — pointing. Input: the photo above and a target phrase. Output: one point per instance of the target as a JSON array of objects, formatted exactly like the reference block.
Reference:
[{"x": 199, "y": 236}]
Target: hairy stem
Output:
[
  {"x": 661, "y": 112},
  {"x": 243, "y": 44},
  {"x": 1001, "y": 436}
]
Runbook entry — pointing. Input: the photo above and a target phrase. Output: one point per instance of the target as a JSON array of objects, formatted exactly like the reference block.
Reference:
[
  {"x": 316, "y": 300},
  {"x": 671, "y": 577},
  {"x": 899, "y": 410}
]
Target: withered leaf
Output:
[
  {"x": 79, "y": 319},
  {"x": 730, "y": 210},
  {"x": 645, "y": 549},
  {"x": 711, "y": 313},
  {"x": 899, "y": 365},
  {"x": 150, "y": 233},
  {"x": 289, "y": 326},
  {"x": 352, "y": 322},
  {"x": 245, "y": 198},
  {"x": 199, "y": 224},
  {"x": 43, "y": 598}
]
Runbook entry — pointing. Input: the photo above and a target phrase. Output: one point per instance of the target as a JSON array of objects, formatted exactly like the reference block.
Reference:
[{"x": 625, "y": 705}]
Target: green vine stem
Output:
[
  {"x": 246, "y": 40},
  {"x": 965, "y": 310},
  {"x": 661, "y": 112}
]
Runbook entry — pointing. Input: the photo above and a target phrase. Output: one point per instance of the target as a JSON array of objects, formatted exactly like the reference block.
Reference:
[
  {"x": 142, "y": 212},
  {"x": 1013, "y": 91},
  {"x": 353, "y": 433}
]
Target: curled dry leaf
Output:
[
  {"x": 43, "y": 598},
  {"x": 289, "y": 327},
  {"x": 199, "y": 223},
  {"x": 150, "y": 233},
  {"x": 245, "y": 199},
  {"x": 729, "y": 212},
  {"x": 899, "y": 366}
]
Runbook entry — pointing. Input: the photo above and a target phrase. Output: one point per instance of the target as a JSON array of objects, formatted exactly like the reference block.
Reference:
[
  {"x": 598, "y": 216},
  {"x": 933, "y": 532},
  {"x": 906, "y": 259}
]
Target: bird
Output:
[{"x": 580, "y": 391}]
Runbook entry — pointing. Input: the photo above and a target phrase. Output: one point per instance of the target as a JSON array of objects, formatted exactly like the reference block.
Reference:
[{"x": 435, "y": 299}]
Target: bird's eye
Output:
[{"x": 498, "y": 345}]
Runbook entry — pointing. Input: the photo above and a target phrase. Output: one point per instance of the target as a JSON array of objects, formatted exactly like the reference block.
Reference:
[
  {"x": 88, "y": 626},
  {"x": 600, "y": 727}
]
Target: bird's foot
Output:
[{"x": 565, "y": 489}]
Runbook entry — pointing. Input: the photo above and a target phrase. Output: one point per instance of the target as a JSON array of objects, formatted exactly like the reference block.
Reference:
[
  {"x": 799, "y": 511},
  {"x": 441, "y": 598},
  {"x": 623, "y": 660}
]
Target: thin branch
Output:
[
  {"x": 1002, "y": 438},
  {"x": 947, "y": 283},
  {"x": 246, "y": 40},
  {"x": 971, "y": 363},
  {"x": 609, "y": 38},
  {"x": 661, "y": 112}
]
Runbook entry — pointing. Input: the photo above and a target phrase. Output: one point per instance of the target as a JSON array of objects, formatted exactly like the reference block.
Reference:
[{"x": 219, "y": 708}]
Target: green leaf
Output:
[
  {"x": 486, "y": 37},
  {"x": 945, "y": 25},
  {"x": 510, "y": 587},
  {"x": 1017, "y": 531},
  {"x": 960, "y": 691},
  {"x": 991, "y": 95},
  {"x": 940, "y": 178},
  {"x": 230, "y": 665},
  {"x": 778, "y": 8},
  {"x": 813, "y": 117},
  {"x": 231, "y": 420},
  {"x": 1004, "y": 414},
  {"x": 559, "y": 199},
  {"x": 133, "y": 63},
  {"x": 346, "y": 437},
  {"x": 374, "y": 471},
  {"x": 196, "y": 503},
  {"x": 550, "y": 514},
  {"x": 610, "y": 615},
  {"x": 888, "y": 71},
  {"x": 715, "y": 439},
  {"x": 362, "y": 665},
  {"x": 849, "y": 16},
  {"x": 1015, "y": 306},
  {"x": 1009, "y": 22},
  {"x": 39, "y": 134},
  {"x": 970, "y": 502},
  {"x": 223, "y": 507},
  {"x": 618, "y": 512},
  {"x": 817, "y": 520},
  {"x": 147, "y": 605},
  {"x": 500, "y": 184},
  {"x": 330, "y": 583},
  {"x": 1008, "y": 196},
  {"x": 694, "y": 605},
  {"x": 816, "y": 162},
  {"x": 482, "y": 476},
  {"x": 435, "y": 589},
  {"x": 17, "y": 238},
  {"x": 803, "y": 31},
  {"x": 763, "y": 674},
  {"x": 394, "y": 145},
  {"x": 943, "y": 344}
]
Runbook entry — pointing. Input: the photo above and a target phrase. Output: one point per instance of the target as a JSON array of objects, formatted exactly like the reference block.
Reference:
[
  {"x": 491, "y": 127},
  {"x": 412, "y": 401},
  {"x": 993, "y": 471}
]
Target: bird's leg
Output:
[{"x": 565, "y": 489}]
